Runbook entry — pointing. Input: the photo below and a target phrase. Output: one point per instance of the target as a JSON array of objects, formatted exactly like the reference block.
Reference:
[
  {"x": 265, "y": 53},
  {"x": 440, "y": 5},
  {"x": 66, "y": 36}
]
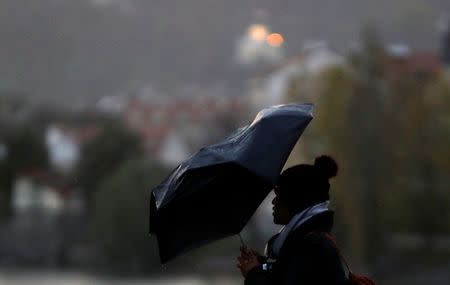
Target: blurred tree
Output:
[
  {"x": 330, "y": 134},
  {"x": 24, "y": 149},
  {"x": 421, "y": 152},
  {"x": 103, "y": 155},
  {"x": 119, "y": 226},
  {"x": 368, "y": 155},
  {"x": 350, "y": 124},
  {"x": 390, "y": 138}
]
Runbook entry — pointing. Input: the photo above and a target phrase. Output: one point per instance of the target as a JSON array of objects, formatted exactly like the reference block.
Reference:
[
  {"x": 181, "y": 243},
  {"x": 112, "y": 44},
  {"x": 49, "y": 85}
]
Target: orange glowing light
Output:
[
  {"x": 275, "y": 40},
  {"x": 257, "y": 32}
]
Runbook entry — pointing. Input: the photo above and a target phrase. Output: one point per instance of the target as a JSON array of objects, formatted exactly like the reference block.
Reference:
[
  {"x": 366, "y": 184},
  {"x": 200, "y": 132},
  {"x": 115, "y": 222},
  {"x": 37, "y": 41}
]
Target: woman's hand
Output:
[{"x": 248, "y": 260}]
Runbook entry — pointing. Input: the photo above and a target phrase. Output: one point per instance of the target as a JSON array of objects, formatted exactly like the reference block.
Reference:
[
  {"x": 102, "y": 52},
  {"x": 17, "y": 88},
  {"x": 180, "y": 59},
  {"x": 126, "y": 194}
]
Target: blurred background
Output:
[{"x": 100, "y": 99}]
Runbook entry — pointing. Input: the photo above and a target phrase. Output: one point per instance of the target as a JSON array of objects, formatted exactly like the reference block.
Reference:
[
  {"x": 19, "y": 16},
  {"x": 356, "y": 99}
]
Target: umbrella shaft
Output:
[{"x": 242, "y": 241}]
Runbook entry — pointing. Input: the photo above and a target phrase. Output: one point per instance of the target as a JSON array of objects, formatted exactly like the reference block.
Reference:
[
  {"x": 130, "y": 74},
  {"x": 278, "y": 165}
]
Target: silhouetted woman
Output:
[{"x": 300, "y": 253}]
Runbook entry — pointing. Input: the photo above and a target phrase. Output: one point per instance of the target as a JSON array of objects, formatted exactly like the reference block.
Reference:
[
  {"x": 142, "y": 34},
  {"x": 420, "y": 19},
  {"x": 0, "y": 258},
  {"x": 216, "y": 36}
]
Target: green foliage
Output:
[
  {"x": 119, "y": 227},
  {"x": 103, "y": 155},
  {"x": 25, "y": 150},
  {"x": 421, "y": 152}
]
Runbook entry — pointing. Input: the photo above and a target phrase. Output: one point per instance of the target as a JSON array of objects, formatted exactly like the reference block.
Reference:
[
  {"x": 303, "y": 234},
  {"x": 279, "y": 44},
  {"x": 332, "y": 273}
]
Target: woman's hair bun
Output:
[{"x": 326, "y": 166}]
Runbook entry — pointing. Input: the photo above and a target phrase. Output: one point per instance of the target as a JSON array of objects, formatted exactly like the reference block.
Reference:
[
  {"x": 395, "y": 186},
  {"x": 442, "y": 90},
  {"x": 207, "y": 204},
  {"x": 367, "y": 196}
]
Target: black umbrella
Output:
[{"x": 215, "y": 192}]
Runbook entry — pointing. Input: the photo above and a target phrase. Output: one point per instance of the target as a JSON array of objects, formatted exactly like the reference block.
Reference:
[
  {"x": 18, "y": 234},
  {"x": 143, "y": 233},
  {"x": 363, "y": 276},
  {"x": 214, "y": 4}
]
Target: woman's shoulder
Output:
[
  {"x": 310, "y": 236},
  {"x": 318, "y": 238},
  {"x": 314, "y": 242},
  {"x": 311, "y": 250}
]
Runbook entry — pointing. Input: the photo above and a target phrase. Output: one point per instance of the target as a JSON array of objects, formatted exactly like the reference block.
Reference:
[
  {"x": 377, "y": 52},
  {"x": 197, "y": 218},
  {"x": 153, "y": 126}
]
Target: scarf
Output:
[{"x": 275, "y": 243}]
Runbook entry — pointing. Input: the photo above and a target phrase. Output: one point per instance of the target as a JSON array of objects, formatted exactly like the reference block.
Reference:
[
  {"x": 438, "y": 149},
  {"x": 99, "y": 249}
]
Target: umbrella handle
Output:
[{"x": 242, "y": 240}]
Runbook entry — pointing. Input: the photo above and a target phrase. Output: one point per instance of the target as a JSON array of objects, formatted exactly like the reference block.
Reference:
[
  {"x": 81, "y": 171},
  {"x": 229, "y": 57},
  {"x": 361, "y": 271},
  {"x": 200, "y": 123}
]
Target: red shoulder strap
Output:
[
  {"x": 354, "y": 278},
  {"x": 339, "y": 251}
]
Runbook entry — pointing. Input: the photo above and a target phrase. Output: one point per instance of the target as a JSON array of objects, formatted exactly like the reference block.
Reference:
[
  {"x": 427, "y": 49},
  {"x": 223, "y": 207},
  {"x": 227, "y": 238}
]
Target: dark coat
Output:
[{"x": 304, "y": 258}]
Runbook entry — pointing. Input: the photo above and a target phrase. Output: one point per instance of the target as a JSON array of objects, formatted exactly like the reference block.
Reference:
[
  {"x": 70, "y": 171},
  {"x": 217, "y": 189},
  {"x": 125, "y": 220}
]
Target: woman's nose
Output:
[{"x": 274, "y": 200}]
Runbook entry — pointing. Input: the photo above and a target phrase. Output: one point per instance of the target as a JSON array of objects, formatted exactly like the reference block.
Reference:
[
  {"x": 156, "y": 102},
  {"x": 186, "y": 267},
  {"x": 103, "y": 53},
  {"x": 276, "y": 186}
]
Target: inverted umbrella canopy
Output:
[{"x": 215, "y": 192}]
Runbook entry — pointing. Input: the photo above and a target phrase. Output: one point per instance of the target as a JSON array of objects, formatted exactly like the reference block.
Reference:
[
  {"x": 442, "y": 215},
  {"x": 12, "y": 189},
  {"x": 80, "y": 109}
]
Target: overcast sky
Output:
[{"x": 76, "y": 51}]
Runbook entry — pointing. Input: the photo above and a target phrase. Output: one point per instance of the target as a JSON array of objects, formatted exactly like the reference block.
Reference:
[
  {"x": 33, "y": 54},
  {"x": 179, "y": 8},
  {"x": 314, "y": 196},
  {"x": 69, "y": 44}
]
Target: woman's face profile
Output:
[{"x": 281, "y": 213}]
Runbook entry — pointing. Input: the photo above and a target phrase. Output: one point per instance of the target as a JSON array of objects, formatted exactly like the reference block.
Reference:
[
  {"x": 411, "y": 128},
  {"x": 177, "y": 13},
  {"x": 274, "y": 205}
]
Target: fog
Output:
[{"x": 73, "y": 52}]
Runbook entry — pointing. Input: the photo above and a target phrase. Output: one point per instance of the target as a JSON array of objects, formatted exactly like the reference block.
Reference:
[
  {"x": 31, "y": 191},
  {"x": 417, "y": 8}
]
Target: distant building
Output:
[
  {"x": 399, "y": 51},
  {"x": 64, "y": 144},
  {"x": 178, "y": 145},
  {"x": 170, "y": 130},
  {"x": 404, "y": 63},
  {"x": 44, "y": 191},
  {"x": 47, "y": 218},
  {"x": 270, "y": 87},
  {"x": 110, "y": 104}
]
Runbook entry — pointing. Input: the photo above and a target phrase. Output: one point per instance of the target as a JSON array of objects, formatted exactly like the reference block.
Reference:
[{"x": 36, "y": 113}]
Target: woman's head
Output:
[{"x": 302, "y": 186}]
